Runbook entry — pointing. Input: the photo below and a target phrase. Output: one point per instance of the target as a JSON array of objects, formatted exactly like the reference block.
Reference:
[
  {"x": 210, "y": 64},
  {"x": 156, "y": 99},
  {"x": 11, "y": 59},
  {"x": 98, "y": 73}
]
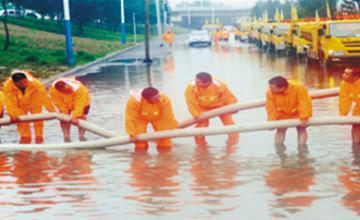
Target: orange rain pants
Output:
[
  {"x": 294, "y": 103},
  {"x": 349, "y": 93},
  {"x": 2, "y": 100},
  {"x": 216, "y": 37},
  {"x": 32, "y": 100},
  {"x": 216, "y": 95},
  {"x": 139, "y": 113}
]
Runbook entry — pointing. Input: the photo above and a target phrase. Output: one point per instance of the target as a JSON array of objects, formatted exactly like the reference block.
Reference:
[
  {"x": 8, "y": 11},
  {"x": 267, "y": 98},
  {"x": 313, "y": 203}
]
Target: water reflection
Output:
[
  {"x": 35, "y": 175},
  {"x": 291, "y": 176},
  {"x": 169, "y": 65},
  {"x": 350, "y": 178},
  {"x": 154, "y": 183},
  {"x": 215, "y": 178}
]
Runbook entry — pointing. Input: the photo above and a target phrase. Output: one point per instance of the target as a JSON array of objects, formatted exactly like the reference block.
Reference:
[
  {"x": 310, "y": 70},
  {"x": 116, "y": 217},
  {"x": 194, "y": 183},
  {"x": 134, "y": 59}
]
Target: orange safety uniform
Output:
[
  {"x": 168, "y": 37},
  {"x": 349, "y": 93},
  {"x": 236, "y": 33},
  {"x": 2, "y": 100},
  {"x": 225, "y": 34},
  {"x": 75, "y": 101},
  {"x": 31, "y": 100},
  {"x": 216, "y": 37},
  {"x": 216, "y": 95},
  {"x": 139, "y": 112},
  {"x": 294, "y": 103}
]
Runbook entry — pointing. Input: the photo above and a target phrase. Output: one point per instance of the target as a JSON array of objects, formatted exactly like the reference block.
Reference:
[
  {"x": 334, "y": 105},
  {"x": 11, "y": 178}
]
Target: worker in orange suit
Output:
[
  {"x": 168, "y": 36},
  {"x": 71, "y": 96},
  {"x": 216, "y": 36},
  {"x": 23, "y": 93},
  {"x": 236, "y": 33},
  {"x": 225, "y": 34},
  {"x": 288, "y": 99},
  {"x": 149, "y": 106},
  {"x": 205, "y": 93},
  {"x": 2, "y": 100},
  {"x": 349, "y": 94}
]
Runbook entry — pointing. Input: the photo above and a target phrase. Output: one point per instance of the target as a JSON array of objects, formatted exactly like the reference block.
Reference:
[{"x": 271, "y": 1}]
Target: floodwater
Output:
[{"x": 251, "y": 179}]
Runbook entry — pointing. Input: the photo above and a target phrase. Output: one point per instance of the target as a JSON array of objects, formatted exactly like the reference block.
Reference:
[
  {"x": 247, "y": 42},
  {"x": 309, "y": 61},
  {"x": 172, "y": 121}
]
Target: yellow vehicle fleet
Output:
[{"x": 333, "y": 41}]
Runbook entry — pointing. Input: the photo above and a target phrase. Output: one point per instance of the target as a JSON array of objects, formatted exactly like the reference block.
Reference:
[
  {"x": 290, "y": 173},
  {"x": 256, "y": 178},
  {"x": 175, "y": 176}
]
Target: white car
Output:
[
  {"x": 199, "y": 38},
  {"x": 10, "y": 13}
]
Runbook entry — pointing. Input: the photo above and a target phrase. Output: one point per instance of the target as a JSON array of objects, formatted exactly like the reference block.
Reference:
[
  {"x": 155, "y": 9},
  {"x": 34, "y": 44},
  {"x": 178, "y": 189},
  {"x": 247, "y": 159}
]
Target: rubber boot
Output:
[
  {"x": 67, "y": 139},
  {"x": 39, "y": 140},
  {"x": 25, "y": 140}
]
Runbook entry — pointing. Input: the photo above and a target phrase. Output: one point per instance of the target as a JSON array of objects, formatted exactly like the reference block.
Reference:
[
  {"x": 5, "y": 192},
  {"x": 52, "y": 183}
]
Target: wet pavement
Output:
[{"x": 248, "y": 179}]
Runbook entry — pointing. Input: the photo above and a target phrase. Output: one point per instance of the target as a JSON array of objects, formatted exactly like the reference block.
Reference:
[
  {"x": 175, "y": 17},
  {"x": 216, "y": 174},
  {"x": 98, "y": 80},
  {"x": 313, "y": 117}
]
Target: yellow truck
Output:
[
  {"x": 277, "y": 43},
  {"x": 253, "y": 34},
  {"x": 266, "y": 36},
  {"x": 295, "y": 43},
  {"x": 211, "y": 28},
  {"x": 244, "y": 31},
  {"x": 333, "y": 42},
  {"x": 259, "y": 34}
]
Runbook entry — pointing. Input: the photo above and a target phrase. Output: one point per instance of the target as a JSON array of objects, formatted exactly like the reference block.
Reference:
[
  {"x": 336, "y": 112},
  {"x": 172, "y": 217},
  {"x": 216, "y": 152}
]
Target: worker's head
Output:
[
  {"x": 151, "y": 94},
  {"x": 203, "y": 79},
  {"x": 63, "y": 87},
  {"x": 278, "y": 84},
  {"x": 20, "y": 79},
  {"x": 351, "y": 74},
  {"x": 168, "y": 31}
]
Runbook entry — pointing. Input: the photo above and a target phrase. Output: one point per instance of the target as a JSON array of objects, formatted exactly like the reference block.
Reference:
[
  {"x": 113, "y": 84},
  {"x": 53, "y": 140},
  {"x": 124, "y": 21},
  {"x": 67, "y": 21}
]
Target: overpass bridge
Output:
[{"x": 199, "y": 15}]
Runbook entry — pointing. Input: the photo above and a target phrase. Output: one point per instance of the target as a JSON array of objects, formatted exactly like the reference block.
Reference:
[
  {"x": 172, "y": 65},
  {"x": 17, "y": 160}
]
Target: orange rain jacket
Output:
[
  {"x": 225, "y": 34},
  {"x": 34, "y": 97},
  {"x": 168, "y": 37},
  {"x": 199, "y": 99},
  {"x": 349, "y": 93},
  {"x": 139, "y": 109},
  {"x": 2, "y": 99},
  {"x": 216, "y": 36},
  {"x": 295, "y": 102},
  {"x": 75, "y": 102}
]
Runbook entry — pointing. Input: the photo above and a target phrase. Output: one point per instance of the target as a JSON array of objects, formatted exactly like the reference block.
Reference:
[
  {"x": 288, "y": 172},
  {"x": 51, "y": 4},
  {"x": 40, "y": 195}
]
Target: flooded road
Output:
[{"x": 251, "y": 179}]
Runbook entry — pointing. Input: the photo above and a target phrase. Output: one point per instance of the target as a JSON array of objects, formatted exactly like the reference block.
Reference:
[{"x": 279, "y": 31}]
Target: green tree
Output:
[
  {"x": 307, "y": 8},
  {"x": 7, "y": 35}
]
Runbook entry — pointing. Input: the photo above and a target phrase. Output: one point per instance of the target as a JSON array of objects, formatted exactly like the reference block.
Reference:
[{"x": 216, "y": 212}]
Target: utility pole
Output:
[
  {"x": 147, "y": 53},
  {"x": 134, "y": 22},
  {"x": 69, "y": 49},
  {"x": 123, "y": 39},
  {"x": 165, "y": 14},
  {"x": 158, "y": 18}
]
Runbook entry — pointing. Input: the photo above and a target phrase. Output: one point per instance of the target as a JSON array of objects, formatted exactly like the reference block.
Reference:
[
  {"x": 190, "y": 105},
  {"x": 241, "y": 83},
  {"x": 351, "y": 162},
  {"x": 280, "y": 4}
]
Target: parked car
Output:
[
  {"x": 199, "y": 38},
  {"x": 10, "y": 13},
  {"x": 32, "y": 14}
]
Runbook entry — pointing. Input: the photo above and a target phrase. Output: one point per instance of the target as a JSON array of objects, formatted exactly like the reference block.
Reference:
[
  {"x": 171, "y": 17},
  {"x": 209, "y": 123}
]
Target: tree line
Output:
[
  {"x": 305, "y": 8},
  {"x": 104, "y": 14}
]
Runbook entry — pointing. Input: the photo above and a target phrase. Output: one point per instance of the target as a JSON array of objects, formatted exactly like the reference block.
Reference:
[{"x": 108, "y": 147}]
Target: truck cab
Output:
[{"x": 334, "y": 41}]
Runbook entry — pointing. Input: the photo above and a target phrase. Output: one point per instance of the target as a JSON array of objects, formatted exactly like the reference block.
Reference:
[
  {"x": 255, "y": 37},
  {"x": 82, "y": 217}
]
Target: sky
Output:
[{"x": 239, "y": 3}]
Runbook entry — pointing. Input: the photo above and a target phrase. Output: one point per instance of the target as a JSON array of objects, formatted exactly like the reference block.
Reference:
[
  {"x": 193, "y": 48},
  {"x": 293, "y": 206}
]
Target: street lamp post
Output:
[
  {"x": 69, "y": 49},
  {"x": 123, "y": 39},
  {"x": 165, "y": 15},
  {"x": 147, "y": 49},
  {"x": 134, "y": 22}
]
